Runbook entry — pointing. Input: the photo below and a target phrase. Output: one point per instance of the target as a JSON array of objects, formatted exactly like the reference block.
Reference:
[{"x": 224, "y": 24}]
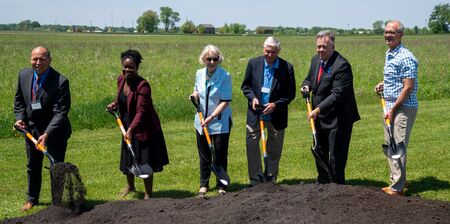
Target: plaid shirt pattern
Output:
[{"x": 400, "y": 64}]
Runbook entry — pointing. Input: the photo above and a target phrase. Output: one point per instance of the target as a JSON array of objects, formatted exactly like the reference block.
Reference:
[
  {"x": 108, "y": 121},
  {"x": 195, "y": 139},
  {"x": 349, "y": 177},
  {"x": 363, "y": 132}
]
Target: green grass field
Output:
[
  {"x": 96, "y": 153},
  {"x": 91, "y": 62}
]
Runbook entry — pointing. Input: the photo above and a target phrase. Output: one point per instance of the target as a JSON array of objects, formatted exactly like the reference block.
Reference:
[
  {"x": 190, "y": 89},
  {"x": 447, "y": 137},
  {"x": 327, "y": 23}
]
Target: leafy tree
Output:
[
  {"x": 201, "y": 29},
  {"x": 440, "y": 19},
  {"x": 148, "y": 22},
  {"x": 416, "y": 30},
  {"x": 169, "y": 17},
  {"x": 225, "y": 29},
  {"x": 378, "y": 27},
  {"x": 35, "y": 24},
  {"x": 237, "y": 28},
  {"x": 188, "y": 27},
  {"x": 25, "y": 25}
]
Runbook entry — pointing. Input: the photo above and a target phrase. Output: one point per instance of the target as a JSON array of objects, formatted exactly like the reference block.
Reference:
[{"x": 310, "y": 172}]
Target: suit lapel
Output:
[
  {"x": 259, "y": 76},
  {"x": 316, "y": 72},
  {"x": 276, "y": 74},
  {"x": 327, "y": 68},
  {"x": 46, "y": 84},
  {"x": 27, "y": 86}
]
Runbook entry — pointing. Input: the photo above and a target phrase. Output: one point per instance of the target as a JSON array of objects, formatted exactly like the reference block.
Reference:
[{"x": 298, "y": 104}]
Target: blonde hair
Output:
[{"x": 210, "y": 48}]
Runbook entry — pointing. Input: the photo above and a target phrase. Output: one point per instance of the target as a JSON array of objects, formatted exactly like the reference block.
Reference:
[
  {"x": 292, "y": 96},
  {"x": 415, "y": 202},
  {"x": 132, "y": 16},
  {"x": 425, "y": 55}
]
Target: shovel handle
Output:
[
  {"x": 208, "y": 139},
  {"x": 200, "y": 115},
  {"x": 263, "y": 136},
  {"x": 383, "y": 105},
  {"x": 31, "y": 138},
  {"x": 122, "y": 128},
  {"x": 308, "y": 112}
]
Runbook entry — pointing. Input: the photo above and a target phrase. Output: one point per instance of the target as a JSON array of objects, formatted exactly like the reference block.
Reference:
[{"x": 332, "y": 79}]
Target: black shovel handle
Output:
[
  {"x": 114, "y": 113},
  {"x": 195, "y": 102},
  {"x": 19, "y": 129}
]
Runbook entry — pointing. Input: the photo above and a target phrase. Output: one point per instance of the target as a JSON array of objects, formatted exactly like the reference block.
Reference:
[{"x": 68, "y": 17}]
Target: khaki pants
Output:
[
  {"x": 401, "y": 128},
  {"x": 274, "y": 148}
]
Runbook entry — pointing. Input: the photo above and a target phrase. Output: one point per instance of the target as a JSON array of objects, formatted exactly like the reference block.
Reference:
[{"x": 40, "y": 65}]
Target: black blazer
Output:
[
  {"x": 282, "y": 91},
  {"x": 54, "y": 96},
  {"x": 334, "y": 94}
]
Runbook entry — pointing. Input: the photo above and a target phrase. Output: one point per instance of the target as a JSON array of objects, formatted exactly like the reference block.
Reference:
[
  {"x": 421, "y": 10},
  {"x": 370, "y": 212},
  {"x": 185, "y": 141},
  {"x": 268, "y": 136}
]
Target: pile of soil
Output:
[{"x": 265, "y": 203}]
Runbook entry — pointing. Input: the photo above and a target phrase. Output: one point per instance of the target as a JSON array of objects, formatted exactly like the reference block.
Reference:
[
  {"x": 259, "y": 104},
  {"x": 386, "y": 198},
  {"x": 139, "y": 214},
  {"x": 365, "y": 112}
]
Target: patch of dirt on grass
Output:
[{"x": 265, "y": 203}]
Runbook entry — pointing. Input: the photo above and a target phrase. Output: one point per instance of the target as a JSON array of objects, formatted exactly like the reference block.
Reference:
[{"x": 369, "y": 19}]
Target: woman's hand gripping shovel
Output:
[
  {"x": 314, "y": 151},
  {"x": 40, "y": 147},
  {"x": 217, "y": 170},
  {"x": 391, "y": 150},
  {"x": 142, "y": 171}
]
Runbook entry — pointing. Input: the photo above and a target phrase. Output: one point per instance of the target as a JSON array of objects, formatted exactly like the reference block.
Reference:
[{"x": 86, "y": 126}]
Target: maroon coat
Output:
[
  {"x": 150, "y": 144},
  {"x": 144, "y": 119}
]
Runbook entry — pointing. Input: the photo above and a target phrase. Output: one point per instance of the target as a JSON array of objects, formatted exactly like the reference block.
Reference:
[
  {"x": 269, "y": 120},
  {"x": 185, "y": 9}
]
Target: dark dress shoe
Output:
[{"x": 27, "y": 206}]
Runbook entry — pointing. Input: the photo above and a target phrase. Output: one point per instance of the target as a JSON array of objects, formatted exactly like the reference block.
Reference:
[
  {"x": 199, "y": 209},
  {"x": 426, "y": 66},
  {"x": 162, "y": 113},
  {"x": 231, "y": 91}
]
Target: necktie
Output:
[
  {"x": 322, "y": 66},
  {"x": 35, "y": 89}
]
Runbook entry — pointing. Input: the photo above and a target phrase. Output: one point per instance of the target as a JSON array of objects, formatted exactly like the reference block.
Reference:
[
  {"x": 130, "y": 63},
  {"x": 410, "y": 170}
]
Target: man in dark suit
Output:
[
  {"x": 41, "y": 105},
  {"x": 330, "y": 79},
  {"x": 269, "y": 82}
]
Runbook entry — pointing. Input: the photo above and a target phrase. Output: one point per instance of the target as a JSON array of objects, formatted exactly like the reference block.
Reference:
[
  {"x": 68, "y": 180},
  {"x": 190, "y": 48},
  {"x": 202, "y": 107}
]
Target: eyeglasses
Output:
[{"x": 216, "y": 59}]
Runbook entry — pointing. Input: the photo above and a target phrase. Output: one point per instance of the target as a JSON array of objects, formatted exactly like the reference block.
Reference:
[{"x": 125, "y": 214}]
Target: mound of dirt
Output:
[{"x": 265, "y": 203}]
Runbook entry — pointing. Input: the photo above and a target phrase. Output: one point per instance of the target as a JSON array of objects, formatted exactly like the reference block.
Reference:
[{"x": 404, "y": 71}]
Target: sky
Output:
[{"x": 345, "y": 14}]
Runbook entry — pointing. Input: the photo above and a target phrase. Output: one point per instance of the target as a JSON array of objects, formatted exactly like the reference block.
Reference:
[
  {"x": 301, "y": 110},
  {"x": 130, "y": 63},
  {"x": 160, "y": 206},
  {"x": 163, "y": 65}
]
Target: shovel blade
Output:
[
  {"x": 319, "y": 160},
  {"x": 220, "y": 174},
  {"x": 395, "y": 151},
  {"x": 142, "y": 171}
]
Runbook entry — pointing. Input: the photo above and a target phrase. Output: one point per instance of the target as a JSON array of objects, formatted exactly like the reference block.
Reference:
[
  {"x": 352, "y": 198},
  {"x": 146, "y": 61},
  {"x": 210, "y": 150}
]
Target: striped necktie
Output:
[{"x": 35, "y": 89}]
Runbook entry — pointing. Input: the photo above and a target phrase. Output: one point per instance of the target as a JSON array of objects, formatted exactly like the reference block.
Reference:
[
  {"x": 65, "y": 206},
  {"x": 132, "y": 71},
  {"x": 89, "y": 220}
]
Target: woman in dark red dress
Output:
[{"x": 141, "y": 121}]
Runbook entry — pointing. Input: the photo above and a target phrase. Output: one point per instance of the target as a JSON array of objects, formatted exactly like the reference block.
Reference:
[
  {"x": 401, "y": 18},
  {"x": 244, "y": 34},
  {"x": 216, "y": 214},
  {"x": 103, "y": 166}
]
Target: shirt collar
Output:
[
  {"x": 274, "y": 65},
  {"x": 43, "y": 76},
  {"x": 395, "y": 50}
]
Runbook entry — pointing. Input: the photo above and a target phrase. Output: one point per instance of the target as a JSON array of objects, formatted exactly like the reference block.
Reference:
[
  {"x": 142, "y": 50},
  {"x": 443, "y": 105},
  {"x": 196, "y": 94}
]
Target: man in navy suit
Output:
[
  {"x": 330, "y": 79},
  {"x": 41, "y": 105},
  {"x": 269, "y": 82}
]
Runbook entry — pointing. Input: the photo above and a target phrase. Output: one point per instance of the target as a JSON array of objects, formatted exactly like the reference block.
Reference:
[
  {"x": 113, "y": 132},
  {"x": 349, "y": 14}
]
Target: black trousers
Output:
[
  {"x": 332, "y": 145},
  {"x": 220, "y": 142},
  {"x": 35, "y": 161}
]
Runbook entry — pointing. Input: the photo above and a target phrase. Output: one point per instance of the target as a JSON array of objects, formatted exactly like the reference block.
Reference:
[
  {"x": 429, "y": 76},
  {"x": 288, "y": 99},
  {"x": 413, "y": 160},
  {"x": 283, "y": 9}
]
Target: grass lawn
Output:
[{"x": 96, "y": 153}]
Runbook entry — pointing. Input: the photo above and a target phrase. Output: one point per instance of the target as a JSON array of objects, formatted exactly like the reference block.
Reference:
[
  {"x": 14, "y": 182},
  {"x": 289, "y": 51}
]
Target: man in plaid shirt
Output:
[{"x": 400, "y": 92}]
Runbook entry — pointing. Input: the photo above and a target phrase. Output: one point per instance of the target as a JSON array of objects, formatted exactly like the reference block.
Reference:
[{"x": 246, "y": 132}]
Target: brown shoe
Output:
[
  {"x": 146, "y": 196},
  {"x": 126, "y": 190},
  {"x": 202, "y": 192},
  {"x": 222, "y": 191},
  {"x": 27, "y": 206},
  {"x": 390, "y": 191}
]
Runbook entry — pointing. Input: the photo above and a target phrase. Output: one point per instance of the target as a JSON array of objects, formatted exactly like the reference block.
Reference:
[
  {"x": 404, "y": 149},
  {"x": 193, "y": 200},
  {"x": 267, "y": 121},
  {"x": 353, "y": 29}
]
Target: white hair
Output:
[
  {"x": 273, "y": 42},
  {"x": 210, "y": 48},
  {"x": 326, "y": 33},
  {"x": 401, "y": 28}
]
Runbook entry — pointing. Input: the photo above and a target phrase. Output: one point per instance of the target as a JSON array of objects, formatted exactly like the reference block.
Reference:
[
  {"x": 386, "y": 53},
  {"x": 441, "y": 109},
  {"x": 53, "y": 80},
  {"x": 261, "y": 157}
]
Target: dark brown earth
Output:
[{"x": 265, "y": 203}]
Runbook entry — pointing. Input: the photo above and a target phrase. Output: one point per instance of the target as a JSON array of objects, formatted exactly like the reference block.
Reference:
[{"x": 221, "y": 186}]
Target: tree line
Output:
[{"x": 149, "y": 22}]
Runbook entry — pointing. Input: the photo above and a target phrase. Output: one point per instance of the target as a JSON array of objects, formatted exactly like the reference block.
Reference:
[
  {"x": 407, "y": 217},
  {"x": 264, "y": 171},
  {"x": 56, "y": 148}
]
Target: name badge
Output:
[
  {"x": 36, "y": 105},
  {"x": 265, "y": 90}
]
